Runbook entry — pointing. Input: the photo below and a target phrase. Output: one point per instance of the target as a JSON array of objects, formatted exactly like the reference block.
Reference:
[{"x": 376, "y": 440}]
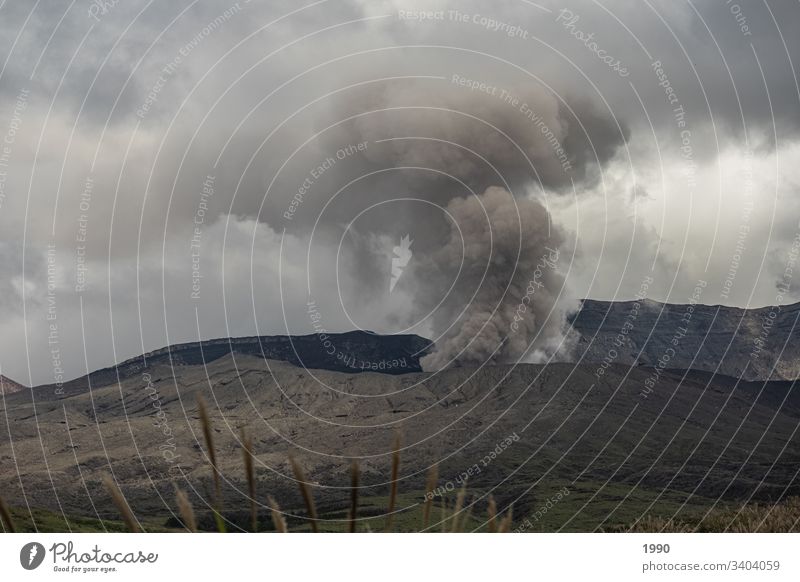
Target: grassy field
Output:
[
  {"x": 551, "y": 506},
  {"x": 44, "y": 521},
  {"x": 575, "y": 512}
]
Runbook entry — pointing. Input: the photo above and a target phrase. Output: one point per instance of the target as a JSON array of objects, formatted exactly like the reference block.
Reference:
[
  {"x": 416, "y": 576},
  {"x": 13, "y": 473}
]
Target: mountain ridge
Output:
[
  {"x": 731, "y": 350},
  {"x": 754, "y": 344}
]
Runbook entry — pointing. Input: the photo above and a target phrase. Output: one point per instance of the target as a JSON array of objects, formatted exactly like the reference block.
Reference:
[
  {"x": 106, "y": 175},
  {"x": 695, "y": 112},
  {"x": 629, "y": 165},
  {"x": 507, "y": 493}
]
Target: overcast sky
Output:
[{"x": 184, "y": 169}]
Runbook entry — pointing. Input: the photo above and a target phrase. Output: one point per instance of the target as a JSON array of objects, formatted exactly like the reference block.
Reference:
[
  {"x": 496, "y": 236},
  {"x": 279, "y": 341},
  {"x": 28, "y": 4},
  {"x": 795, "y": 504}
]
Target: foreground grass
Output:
[
  {"x": 587, "y": 506},
  {"x": 781, "y": 517},
  {"x": 45, "y": 521}
]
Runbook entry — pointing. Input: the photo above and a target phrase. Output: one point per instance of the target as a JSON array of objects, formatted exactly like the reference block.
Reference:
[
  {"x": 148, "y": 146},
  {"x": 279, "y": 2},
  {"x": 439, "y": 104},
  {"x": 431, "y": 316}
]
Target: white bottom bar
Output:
[{"x": 404, "y": 557}]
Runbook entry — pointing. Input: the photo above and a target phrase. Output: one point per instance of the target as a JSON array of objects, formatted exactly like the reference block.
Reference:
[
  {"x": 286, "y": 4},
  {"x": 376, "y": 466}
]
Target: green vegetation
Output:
[
  {"x": 781, "y": 517},
  {"x": 44, "y": 521}
]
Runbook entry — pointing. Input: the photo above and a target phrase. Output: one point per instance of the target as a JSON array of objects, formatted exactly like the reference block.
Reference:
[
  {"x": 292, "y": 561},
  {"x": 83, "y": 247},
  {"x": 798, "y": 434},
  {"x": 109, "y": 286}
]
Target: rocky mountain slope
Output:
[
  {"x": 756, "y": 344},
  {"x": 653, "y": 416},
  {"x": 694, "y": 439}
]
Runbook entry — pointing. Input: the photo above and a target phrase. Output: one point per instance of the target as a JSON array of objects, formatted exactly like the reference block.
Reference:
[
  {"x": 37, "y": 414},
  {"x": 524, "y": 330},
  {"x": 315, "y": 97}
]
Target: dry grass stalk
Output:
[
  {"x": 462, "y": 494},
  {"x": 468, "y": 514},
  {"x": 354, "y": 478},
  {"x": 122, "y": 504},
  {"x": 505, "y": 523},
  {"x": 444, "y": 515},
  {"x": 395, "y": 476},
  {"x": 186, "y": 511},
  {"x": 277, "y": 516},
  {"x": 430, "y": 485},
  {"x": 492, "y": 510},
  {"x": 247, "y": 453},
  {"x": 305, "y": 491},
  {"x": 5, "y": 514},
  {"x": 212, "y": 457}
]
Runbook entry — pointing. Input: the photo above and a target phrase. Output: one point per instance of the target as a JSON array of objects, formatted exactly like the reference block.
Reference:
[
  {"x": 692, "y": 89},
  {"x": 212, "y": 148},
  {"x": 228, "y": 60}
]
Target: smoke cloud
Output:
[
  {"x": 502, "y": 256},
  {"x": 484, "y": 276}
]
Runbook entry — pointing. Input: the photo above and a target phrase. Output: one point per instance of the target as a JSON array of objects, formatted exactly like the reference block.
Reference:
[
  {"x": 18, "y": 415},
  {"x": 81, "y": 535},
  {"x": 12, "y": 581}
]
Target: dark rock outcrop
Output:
[{"x": 754, "y": 344}]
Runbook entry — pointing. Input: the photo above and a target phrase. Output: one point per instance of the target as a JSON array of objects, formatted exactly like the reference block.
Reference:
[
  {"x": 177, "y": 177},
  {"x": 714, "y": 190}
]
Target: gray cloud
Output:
[{"x": 620, "y": 134}]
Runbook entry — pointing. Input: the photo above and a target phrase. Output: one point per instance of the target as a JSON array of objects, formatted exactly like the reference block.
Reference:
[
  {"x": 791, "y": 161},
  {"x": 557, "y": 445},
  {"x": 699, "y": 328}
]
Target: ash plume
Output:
[
  {"x": 484, "y": 276},
  {"x": 506, "y": 300}
]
